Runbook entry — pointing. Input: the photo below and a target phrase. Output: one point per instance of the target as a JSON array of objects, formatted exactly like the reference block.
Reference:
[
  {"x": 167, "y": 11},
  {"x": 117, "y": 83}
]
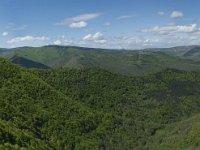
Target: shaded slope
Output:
[
  {"x": 185, "y": 52},
  {"x": 193, "y": 54},
  {"x": 27, "y": 63},
  {"x": 177, "y": 51}
]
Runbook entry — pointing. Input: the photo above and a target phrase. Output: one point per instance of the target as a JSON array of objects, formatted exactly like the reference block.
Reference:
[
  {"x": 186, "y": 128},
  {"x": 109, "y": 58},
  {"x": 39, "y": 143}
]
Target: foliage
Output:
[{"x": 94, "y": 109}]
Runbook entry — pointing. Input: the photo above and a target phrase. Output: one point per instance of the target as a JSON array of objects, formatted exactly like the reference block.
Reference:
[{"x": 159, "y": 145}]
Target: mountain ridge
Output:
[{"x": 118, "y": 61}]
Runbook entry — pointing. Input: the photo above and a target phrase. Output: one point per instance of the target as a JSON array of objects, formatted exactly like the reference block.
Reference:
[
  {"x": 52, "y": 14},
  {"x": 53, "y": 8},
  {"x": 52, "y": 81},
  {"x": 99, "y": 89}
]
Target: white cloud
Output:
[
  {"x": 62, "y": 40},
  {"x": 80, "y": 18},
  {"x": 20, "y": 28},
  {"x": 67, "y": 42},
  {"x": 78, "y": 25},
  {"x": 4, "y": 34},
  {"x": 14, "y": 27},
  {"x": 88, "y": 37},
  {"x": 149, "y": 42},
  {"x": 161, "y": 13},
  {"x": 176, "y": 14},
  {"x": 124, "y": 17},
  {"x": 173, "y": 29},
  {"x": 27, "y": 39},
  {"x": 57, "y": 42},
  {"x": 97, "y": 38},
  {"x": 174, "y": 35},
  {"x": 107, "y": 24},
  {"x": 138, "y": 42},
  {"x": 153, "y": 40},
  {"x": 180, "y": 40},
  {"x": 85, "y": 17}
]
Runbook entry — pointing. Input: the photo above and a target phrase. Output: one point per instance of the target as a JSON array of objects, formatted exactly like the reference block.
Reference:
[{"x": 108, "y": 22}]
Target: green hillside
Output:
[
  {"x": 193, "y": 54},
  {"x": 92, "y": 108},
  {"x": 27, "y": 63},
  {"x": 181, "y": 135},
  {"x": 144, "y": 104},
  {"x": 184, "y": 52},
  {"x": 116, "y": 61},
  {"x": 33, "y": 115}
]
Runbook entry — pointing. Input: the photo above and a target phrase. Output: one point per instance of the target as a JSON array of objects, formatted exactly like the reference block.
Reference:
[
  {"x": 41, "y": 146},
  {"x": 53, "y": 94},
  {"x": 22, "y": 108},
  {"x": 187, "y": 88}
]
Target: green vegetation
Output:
[
  {"x": 35, "y": 116},
  {"x": 181, "y": 135},
  {"x": 27, "y": 63},
  {"x": 117, "y": 61},
  {"x": 184, "y": 52},
  {"x": 92, "y": 108}
]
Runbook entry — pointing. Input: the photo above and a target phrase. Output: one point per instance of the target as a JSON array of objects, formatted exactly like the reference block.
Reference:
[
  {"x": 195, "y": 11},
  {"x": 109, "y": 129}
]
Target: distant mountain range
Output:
[
  {"x": 125, "y": 62},
  {"x": 187, "y": 52}
]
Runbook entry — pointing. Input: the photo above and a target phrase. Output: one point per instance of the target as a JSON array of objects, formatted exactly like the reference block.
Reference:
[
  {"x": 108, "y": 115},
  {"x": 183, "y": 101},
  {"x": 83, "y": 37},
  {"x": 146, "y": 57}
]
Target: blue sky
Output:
[{"x": 129, "y": 24}]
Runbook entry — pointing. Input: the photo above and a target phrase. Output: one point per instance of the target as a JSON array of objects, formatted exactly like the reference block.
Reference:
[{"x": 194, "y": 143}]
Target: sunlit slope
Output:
[
  {"x": 181, "y": 135},
  {"x": 144, "y": 104},
  {"x": 33, "y": 115}
]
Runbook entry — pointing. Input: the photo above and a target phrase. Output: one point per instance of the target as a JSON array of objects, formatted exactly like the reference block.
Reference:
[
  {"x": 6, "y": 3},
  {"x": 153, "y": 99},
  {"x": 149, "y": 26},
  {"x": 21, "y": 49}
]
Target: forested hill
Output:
[
  {"x": 124, "y": 62},
  {"x": 27, "y": 63},
  {"x": 57, "y": 109}
]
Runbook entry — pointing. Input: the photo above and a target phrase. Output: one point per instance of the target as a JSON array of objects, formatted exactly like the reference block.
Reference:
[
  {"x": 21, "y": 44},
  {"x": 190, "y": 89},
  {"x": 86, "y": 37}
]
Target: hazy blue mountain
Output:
[{"x": 186, "y": 52}]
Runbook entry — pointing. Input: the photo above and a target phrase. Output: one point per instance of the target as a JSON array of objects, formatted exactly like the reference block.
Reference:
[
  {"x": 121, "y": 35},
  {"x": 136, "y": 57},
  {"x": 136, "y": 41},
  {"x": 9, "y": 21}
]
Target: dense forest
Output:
[{"x": 91, "y": 108}]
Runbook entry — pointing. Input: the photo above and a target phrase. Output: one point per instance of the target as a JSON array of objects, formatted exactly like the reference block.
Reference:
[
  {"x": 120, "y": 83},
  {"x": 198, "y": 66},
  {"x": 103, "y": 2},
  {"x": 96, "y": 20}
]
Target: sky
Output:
[{"x": 114, "y": 24}]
